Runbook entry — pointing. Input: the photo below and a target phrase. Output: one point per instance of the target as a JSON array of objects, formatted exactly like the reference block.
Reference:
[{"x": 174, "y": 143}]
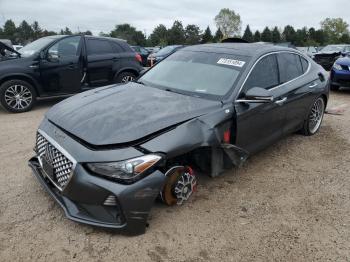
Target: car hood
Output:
[
  {"x": 344, "y": 61},
  {"x": 122, "y": 114}
]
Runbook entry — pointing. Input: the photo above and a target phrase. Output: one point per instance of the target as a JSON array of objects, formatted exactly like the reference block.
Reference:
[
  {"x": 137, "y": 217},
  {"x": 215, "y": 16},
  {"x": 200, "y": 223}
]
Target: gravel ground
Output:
[{"x": 289, "y": 202}]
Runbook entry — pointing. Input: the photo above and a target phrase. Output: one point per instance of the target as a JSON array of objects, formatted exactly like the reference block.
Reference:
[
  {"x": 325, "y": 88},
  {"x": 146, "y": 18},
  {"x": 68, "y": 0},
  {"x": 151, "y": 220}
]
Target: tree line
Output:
[{"x": 228, "y": 23}]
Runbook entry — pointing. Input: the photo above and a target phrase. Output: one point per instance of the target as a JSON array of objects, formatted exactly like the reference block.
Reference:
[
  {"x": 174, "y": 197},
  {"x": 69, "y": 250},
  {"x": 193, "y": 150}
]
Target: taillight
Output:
[
  {"x": 227, "y": 136},
  {"x": 138, "y": 57}
]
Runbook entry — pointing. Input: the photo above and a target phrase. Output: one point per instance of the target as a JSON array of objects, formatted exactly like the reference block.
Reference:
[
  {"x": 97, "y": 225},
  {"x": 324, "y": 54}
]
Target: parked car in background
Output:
[
  {"x": 63, "y": 65},
  {"x": 5, "y": 46},
  {"x": 106, "y": 155},
  {"x": 308, "y": 50},
  {"x": 17, "y": 47},
  {"x": 153, "y": 49},
  {"x": 142, "y": 52},
  {"x": 340, "y": 73},
  {"x": 327, "y": 55},
  {"x": 162, "y": 53}
]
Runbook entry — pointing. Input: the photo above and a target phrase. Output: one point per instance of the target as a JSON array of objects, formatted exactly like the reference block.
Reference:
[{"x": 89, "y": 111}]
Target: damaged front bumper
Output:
[{"x": 99, "y": 202}]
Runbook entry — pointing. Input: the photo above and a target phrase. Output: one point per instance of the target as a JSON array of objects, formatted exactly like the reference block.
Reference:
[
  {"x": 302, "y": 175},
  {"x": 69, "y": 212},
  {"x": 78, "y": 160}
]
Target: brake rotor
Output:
[{"x": 179, "y": 186}]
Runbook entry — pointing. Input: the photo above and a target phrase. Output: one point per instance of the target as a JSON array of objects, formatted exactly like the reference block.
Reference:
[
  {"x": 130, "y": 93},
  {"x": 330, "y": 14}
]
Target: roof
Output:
[{"x": 246, "y": 49}]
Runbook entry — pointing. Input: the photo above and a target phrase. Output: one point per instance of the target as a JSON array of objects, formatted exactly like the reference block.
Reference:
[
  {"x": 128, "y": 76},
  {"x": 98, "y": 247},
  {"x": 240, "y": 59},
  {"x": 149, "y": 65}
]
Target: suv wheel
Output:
[
  {"x": 17, "y": 96},
  {"x": 125, "y": 77}
]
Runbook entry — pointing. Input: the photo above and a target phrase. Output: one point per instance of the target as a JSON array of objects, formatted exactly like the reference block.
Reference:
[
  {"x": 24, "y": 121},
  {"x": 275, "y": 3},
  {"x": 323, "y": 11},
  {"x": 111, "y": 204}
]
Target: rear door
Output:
[
  {"x": 298, "y": 88},
  {"x": 62, "y": 68},
  {"x": 102, "y": 57},
  {"x": 260, "y": 124}
]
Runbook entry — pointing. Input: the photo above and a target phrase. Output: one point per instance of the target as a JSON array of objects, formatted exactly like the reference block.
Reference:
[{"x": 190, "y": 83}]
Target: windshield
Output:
[
  {"x": 166, "y": 50},
  {"x": 333, "y": 48},
  {"x": 200, "y": 73},
  {"x": 35, "y": 47}
]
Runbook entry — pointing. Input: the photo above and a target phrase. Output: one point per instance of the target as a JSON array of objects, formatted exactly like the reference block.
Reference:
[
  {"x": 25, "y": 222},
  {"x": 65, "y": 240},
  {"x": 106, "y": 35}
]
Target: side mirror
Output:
[
  {"x": 257, "y": 95},
  {"x": 52, "y": 57}
]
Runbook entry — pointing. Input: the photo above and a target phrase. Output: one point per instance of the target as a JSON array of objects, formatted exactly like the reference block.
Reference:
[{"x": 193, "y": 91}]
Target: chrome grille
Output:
[{"x": 62, "y": 166}]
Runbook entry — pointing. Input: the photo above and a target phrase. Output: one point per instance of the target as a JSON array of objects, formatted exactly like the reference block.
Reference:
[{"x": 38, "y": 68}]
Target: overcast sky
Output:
[{"x": 103, "y": 15}]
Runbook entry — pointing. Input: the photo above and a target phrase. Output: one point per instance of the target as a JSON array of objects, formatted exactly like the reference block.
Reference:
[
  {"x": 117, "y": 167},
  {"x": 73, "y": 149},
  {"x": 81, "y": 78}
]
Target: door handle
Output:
[
  {"x": 314, "y": 84},
  {"x": 281, "y": 101}
]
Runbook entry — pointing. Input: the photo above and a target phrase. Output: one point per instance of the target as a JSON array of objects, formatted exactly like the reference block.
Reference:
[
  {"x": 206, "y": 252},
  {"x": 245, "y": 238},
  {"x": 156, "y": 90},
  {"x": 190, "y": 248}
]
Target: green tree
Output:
[
  {"x": 266, "y": 35},
  {"x": 207, "y": 36},
  {"x": 345, "y": 39},
  {"x": 229, "y": 22},
  {"x": 218, "y": 36},
  {"x": 24, "y": 33},
  {"x": 192, "y": 34},
  {"x": 47, "y": 33},
  {"x": 176, "y": 34},
  {"x": 320, "y": 37},
  {"x": 276, "y": 36},
  {"x": 159, "y": 35},
  {"x": 248, "y": 35},
  {"x": 334, "y": 28},
  {"x": 37, "y": 31},
  {"x": 257, "y": 36},
  {"x": 289, "y": 34},
  {"x": 301, "y": 37},
  {"x": 10, "y": 30},
  {"x": 129, "y": 33}
]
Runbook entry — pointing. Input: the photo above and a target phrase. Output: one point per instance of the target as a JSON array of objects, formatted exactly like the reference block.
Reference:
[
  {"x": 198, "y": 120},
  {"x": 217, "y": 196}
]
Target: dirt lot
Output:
[{"x": 289, "y": 202}]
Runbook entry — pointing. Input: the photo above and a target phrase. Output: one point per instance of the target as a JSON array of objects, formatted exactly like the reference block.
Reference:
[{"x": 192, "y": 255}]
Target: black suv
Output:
[{"x": 63, "y": 65}]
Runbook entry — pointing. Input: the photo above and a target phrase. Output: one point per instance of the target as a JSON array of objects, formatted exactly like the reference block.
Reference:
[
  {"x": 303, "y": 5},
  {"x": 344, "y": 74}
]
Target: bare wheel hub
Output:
[{"x": 180, "y": 185}]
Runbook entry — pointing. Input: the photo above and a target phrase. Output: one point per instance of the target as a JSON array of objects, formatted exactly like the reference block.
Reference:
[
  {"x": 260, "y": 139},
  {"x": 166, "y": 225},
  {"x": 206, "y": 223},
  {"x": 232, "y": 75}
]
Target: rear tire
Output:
[
  {"x": 314, "y": 119},
  {"x": 17, "y": 96},
  {"x": 125, "y": 77}
]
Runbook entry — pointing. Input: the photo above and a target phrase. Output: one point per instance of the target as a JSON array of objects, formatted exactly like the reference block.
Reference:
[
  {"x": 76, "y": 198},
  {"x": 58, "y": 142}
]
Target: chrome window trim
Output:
[
  {"x": 272, "y": 53},
  {"x": 64, "y": 152}
]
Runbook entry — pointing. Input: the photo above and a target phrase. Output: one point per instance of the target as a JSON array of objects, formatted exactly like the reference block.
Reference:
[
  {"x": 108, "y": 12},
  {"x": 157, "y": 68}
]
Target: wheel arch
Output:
[
  {"x": 127, "y": 69},
  {"x": 21, "y": 77}
]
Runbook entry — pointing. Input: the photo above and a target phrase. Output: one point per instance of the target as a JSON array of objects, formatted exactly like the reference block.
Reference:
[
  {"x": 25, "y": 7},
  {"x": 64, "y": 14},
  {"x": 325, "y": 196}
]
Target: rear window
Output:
[
  {"x": 304, "y": 64},
  {"x": 290, "y": 66},
  {"x": 95, "y": 47}
]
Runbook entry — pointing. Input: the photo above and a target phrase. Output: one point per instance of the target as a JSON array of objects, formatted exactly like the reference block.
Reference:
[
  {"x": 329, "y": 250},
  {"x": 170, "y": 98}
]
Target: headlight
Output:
[
  {"x": 126, "y": 171},
  {"x": 337, "y": 66}
]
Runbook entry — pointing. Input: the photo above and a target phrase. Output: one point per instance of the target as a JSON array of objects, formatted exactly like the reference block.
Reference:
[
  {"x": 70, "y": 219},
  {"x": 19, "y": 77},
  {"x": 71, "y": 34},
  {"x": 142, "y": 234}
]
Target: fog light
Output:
[{"x": 111, "y": 200}]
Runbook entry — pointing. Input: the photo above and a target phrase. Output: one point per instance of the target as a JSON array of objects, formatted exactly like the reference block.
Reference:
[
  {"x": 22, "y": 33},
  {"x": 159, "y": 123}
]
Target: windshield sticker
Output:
[{"x": 231, "y": 62}]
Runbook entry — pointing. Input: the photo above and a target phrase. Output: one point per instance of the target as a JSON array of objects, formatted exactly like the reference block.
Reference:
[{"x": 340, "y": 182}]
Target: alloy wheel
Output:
[
  {"x": 127, "y": 78},
  {"x": 316, "y": 115},
  {"x": 18, "y": 97}
]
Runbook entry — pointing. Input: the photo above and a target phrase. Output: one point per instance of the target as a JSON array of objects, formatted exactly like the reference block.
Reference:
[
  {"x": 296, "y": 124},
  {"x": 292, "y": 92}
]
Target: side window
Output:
[
  {"x": 98, "y": 47},
  {"x": 117, "y": 48},
  {"x": 289, "y": 66},
  {"x": 304, "y": 64},
  {"x": 264, "y": 74},
  {"x": 66, "y": 47}
]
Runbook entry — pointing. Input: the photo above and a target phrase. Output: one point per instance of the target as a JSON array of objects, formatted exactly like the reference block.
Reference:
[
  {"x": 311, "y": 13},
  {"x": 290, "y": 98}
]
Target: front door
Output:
[
  {"x": 260, "y": 124},
  {"x": 62, "y": 68}
]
